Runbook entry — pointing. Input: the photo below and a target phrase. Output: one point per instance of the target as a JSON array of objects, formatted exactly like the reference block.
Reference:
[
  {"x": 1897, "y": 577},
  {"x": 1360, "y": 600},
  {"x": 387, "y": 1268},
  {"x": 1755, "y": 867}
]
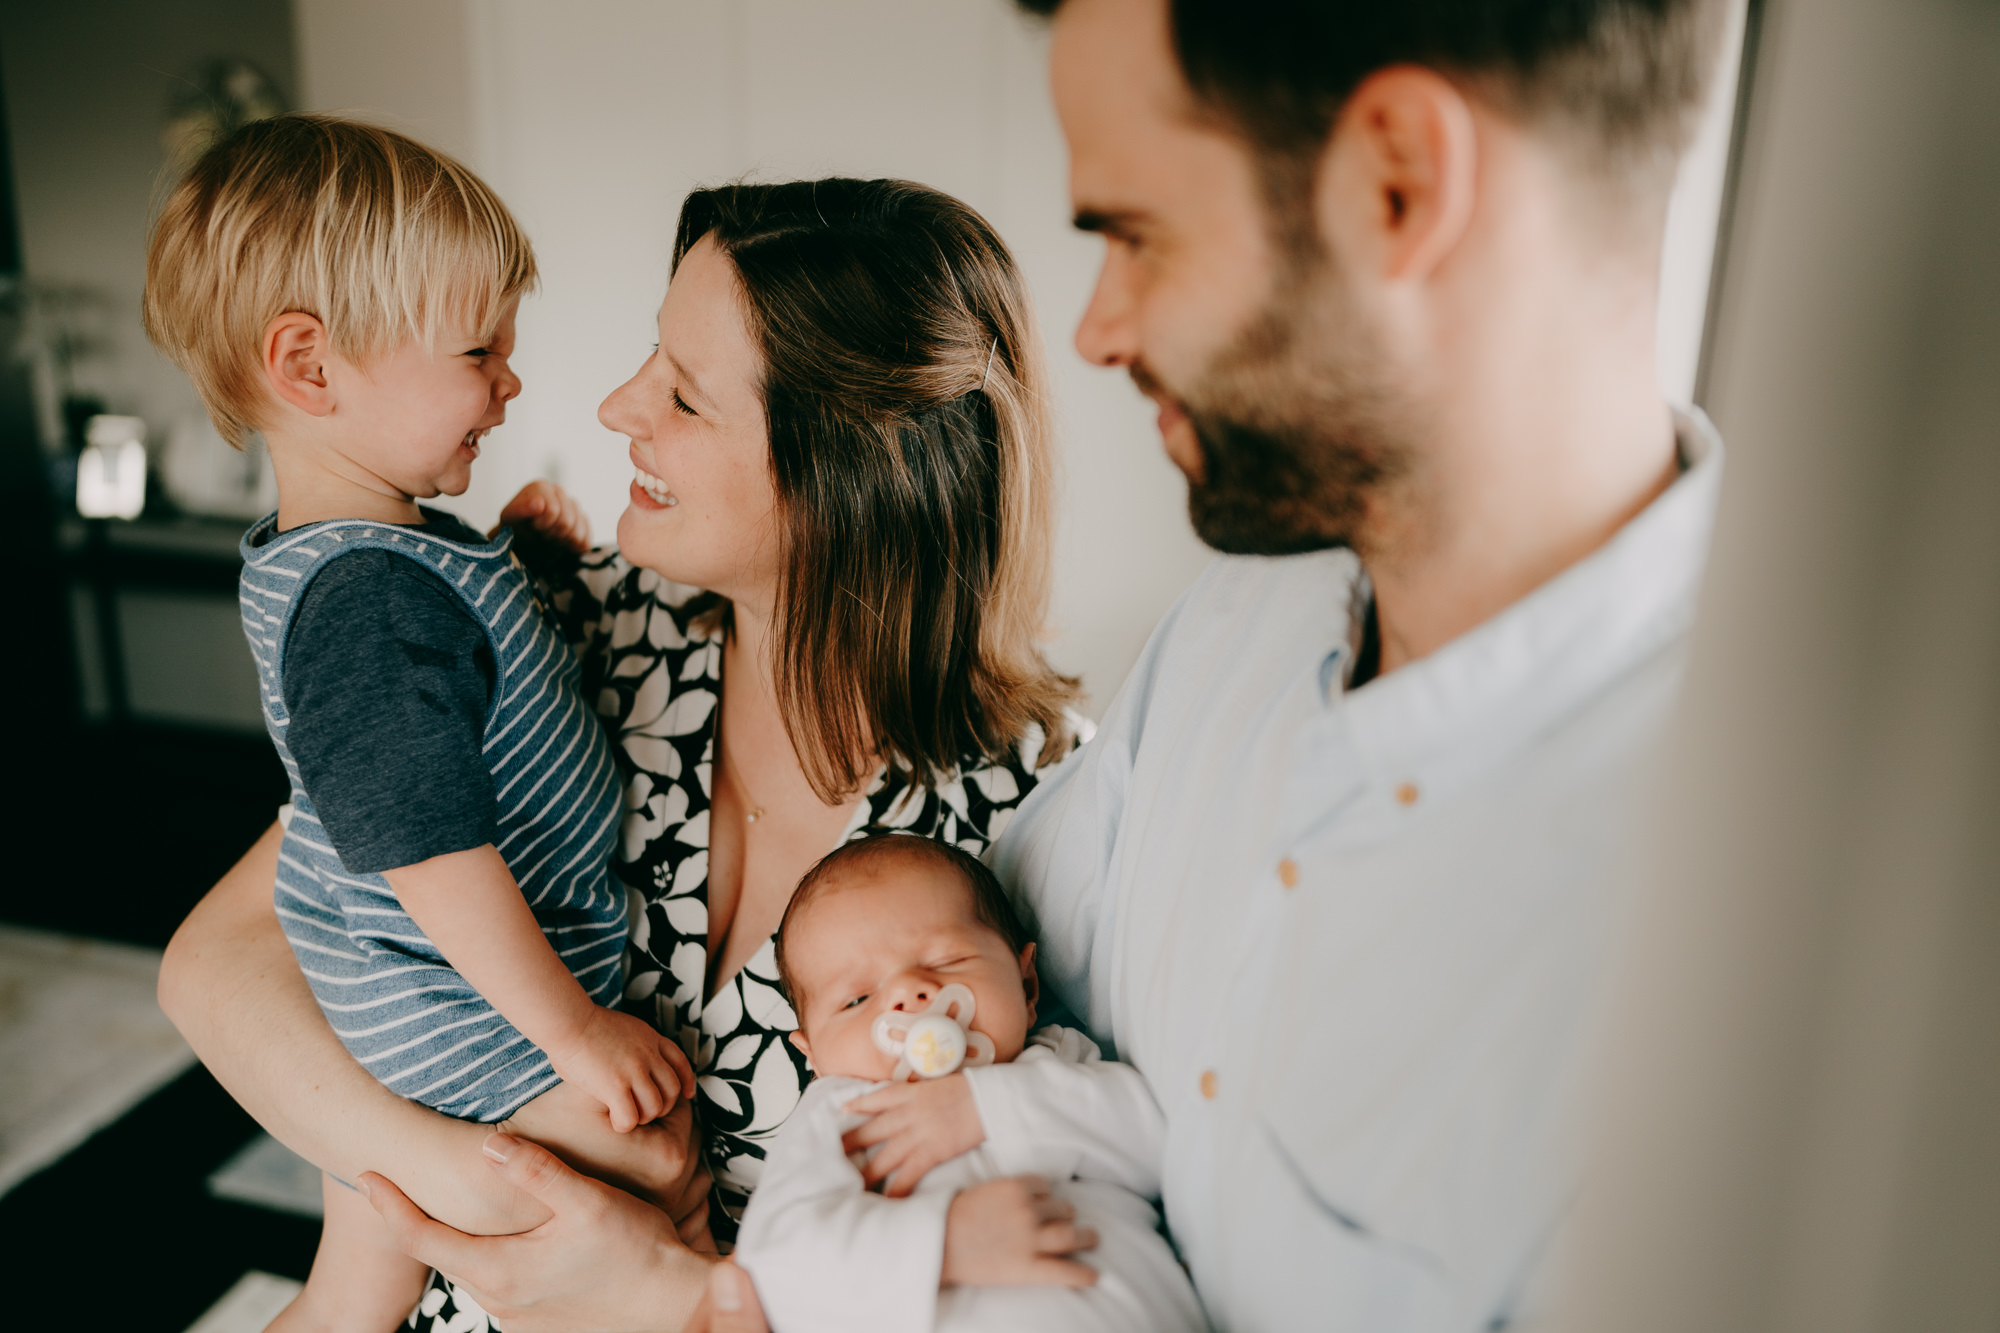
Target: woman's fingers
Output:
[
  {"x": 414, "y": 1231},
  {"x": 732, "y": 1302},
  {"x": 531, "y": 1167}
]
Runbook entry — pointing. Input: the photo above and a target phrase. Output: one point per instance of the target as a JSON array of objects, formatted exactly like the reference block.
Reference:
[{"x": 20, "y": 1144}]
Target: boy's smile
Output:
[{"x": 377, "y": 436}]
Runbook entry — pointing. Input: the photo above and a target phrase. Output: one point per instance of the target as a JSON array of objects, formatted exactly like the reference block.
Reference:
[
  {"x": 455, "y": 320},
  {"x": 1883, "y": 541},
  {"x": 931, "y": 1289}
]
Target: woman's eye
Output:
[{"x": 680, "y": 405}]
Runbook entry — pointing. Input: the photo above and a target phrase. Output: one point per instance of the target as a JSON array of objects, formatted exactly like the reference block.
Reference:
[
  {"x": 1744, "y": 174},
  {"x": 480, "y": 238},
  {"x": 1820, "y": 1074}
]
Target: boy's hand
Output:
[
  {"x": 919, "y": 1126},
  {"x": 550, "y": 513},
  {"x": 1013, "y": 1232},
  {"x": 634, "y": 1071}
]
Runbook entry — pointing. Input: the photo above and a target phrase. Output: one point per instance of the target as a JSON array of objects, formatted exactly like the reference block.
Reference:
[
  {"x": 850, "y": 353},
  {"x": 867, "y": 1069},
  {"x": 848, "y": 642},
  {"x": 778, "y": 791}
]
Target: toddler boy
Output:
[{"x": 444, "y": 877}]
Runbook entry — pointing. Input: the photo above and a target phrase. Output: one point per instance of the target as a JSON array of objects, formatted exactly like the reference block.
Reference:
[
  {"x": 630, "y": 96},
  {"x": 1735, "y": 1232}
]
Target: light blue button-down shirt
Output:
[{"x": 1356, "y": 940}]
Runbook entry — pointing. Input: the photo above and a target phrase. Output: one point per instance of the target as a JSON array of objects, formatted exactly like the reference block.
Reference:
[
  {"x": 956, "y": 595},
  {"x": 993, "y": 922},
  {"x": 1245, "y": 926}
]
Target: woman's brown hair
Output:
[{"x": 910, "y": 447}]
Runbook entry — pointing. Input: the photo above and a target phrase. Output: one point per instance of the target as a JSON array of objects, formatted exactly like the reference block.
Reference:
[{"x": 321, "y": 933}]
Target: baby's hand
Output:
[
  {"x": 1013, "y": 1232},
  {"x": 550, "y": 513},
  {"x": 919, "y": 1125},
  {"x": 634, "y": 1071}
]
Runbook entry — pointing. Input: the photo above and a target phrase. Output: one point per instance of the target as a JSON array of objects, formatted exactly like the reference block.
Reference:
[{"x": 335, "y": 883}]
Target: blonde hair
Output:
[{"x": 378, "y": 237}]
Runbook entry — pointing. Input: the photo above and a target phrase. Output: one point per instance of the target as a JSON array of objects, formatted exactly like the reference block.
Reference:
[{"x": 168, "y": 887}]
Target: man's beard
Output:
[{"x": 1293, "y": 418}]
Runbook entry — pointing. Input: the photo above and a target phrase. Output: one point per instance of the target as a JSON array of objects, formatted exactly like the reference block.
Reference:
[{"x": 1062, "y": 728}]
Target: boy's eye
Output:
[
  {"x": 479, "y": 351},
  {"x": 859, "y": 999}
]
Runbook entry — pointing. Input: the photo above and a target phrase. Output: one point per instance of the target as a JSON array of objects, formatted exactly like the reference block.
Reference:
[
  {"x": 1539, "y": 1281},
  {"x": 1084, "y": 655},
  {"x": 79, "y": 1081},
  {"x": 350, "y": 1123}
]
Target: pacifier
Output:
[{"x": 935, "y": 1042}]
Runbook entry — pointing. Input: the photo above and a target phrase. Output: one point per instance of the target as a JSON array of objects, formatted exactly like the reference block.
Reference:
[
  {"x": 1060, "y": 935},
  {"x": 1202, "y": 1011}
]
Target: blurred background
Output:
[{"x": 1828, "y": 292}]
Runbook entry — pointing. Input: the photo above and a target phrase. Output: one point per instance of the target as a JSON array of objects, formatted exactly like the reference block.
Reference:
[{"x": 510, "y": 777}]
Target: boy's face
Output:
[
  {"x": 890, "y": 935},
  {"x": 413, "y": 418}
]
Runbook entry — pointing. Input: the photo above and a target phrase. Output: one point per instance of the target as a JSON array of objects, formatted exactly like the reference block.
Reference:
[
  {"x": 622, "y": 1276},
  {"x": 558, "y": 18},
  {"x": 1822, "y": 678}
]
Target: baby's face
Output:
[{"x": 889, "y": 936}]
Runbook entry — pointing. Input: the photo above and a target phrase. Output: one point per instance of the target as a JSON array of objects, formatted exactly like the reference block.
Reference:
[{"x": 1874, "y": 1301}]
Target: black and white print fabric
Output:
[{"x": 655, "y": 678}]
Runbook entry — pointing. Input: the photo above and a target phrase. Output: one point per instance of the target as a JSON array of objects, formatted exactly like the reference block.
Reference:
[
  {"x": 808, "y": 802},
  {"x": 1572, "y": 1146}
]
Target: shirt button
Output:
[
  {"x": 1208, "y": 1084},
  {"x": 1407, "y": 794},
  {"x": 1288, "y": 873}
]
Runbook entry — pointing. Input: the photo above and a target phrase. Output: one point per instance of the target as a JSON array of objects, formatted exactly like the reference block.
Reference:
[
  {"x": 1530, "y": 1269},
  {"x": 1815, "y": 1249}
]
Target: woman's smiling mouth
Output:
[{"x": 652, "y": 488}]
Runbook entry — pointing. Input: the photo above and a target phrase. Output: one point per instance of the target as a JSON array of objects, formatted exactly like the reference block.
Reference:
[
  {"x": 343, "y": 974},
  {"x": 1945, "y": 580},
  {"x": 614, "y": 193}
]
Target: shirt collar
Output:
[{"x": 1507, "y": 680}]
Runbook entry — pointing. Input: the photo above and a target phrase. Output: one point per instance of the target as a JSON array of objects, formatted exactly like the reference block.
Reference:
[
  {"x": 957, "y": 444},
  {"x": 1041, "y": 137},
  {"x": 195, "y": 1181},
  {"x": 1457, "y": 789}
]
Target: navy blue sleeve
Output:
[{"x": 388, "y": 678}]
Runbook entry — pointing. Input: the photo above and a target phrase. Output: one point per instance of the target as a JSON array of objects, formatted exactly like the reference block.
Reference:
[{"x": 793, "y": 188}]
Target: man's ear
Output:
[
  {"x": 798, "y": 1039},
  {"x": 1395, "y": 185},
  {"x": 295, "y": 355},
  {"x": 1031, "y": 981}
]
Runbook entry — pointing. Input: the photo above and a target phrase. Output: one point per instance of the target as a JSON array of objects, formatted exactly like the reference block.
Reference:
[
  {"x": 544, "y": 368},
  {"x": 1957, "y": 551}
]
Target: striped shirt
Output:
[{"x": 397, "y": 1005}]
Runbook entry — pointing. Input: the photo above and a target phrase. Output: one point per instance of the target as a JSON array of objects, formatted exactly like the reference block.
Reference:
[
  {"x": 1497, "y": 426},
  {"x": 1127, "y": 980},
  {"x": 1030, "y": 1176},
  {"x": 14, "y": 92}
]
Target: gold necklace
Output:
[{"x": 743, "y": 789}]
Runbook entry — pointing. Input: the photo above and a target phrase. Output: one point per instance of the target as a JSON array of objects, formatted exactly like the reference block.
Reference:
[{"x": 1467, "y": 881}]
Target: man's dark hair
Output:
[
  {"x": 1623, "y": 79},
  {"x": 990, "y": 903}
]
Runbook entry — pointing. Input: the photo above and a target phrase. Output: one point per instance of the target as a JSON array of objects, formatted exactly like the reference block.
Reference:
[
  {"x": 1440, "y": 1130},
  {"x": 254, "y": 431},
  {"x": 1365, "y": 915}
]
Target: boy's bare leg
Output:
[
  {"x": 575, "y": 1127},
  {"x": 360, "y": 1282}
]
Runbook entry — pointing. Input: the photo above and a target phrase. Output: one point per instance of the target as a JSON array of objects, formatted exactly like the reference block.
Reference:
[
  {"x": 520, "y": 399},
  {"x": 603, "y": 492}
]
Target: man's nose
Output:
[{"x": 1108, "y": 333}]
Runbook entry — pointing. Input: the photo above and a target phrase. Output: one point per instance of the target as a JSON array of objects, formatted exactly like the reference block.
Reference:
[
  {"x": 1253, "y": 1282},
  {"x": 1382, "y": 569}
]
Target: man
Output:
[{"x": 1337, "y": 873}]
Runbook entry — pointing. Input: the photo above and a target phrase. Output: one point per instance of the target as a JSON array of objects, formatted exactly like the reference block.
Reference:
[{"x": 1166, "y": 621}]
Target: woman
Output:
[{"x": 841, "y": 510}]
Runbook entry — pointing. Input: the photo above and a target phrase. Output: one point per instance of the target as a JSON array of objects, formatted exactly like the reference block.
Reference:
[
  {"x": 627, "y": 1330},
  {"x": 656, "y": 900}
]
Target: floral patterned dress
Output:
[{"x": 654, "y": 675}]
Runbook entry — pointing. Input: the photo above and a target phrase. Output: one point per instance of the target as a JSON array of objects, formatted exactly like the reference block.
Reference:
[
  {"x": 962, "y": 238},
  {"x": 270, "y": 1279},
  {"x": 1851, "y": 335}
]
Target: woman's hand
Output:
[
  {"x": 730, "y": 1305},
  {"x": 603, "y": 1260},
  {"x": 550, "y": 513},
  {"x": 919, "y": 1126}
]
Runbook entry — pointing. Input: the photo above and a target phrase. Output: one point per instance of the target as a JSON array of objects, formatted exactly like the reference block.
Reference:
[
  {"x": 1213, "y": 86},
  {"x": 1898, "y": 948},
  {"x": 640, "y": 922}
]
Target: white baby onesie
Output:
[{"x": 828, "y": 1256}]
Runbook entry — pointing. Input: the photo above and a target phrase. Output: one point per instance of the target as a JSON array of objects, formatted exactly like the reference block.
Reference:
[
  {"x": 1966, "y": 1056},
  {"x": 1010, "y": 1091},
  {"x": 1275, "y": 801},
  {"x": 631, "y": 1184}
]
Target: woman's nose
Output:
[{"x": 616, "y": 412}]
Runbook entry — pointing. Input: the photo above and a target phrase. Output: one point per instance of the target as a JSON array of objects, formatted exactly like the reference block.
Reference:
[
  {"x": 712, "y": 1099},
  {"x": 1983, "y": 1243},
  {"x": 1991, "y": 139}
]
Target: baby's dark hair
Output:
[{"x": 989, "y": 901}]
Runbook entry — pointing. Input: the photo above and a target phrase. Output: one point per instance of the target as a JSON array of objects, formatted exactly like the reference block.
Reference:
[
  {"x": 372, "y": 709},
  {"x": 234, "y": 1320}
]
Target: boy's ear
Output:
[
  {"x": 798, "y": 1039},
  {"x": 1031, "y": 981},
  {"x": 295, "y": 356}
]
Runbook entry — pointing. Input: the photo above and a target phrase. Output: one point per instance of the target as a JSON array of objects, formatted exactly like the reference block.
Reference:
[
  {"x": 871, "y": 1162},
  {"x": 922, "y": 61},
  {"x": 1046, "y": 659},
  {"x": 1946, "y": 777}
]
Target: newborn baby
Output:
[{"x": 902, "y": 958}]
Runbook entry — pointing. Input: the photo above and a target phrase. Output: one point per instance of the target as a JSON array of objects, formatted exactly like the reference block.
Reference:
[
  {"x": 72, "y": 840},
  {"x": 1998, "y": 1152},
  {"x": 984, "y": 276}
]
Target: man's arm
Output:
[{"x": 1054, "y": 857}]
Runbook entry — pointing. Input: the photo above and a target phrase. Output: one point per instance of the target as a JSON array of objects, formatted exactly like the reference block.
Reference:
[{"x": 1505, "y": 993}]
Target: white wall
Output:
[{"x": 594, "y": 118}]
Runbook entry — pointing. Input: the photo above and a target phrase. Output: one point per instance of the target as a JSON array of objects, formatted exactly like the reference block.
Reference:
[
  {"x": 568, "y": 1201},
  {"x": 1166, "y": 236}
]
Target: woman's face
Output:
[{"x": 703, "y": 510}]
